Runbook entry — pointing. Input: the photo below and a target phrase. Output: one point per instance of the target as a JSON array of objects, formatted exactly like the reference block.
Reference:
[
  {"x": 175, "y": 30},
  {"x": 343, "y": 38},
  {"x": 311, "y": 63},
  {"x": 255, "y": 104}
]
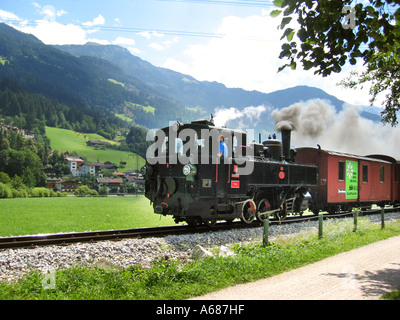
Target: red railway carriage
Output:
[
  {"x": 347, "y": 181},
  {"x": 395, "y": 176}
]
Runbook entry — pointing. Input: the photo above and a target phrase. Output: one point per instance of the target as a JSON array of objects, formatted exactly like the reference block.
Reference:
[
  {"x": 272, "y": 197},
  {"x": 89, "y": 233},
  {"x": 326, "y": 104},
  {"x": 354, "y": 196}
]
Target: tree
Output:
[
  {"x": 103, "y": 191},
  {"x": 331, "y": 33},
  {"x": 5, "y": 178}
]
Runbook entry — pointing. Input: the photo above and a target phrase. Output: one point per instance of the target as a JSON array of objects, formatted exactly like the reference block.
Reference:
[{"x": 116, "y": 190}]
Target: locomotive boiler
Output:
[{"x": 186, "y": 177}]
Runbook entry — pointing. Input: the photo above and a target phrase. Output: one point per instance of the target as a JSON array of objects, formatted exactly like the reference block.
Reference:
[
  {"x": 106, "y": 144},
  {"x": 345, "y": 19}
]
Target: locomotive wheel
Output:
[
  {"x": 248, "y": 211},
  {"x": 263, "y": 206},
  {"x": 281, "y": 214},
  {"x": 193, "y": 221},
  {"x": 213, "y": 221},
  {"x": 210, "y": 223}
]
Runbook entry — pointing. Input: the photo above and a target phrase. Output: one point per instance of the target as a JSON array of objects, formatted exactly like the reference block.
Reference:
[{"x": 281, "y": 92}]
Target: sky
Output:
[{"x": 233, "y": 42}]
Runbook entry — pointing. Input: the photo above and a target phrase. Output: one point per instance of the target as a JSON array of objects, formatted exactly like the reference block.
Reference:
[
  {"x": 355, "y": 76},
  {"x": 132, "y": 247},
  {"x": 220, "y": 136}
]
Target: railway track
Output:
[{"x": 92, "y": 236}]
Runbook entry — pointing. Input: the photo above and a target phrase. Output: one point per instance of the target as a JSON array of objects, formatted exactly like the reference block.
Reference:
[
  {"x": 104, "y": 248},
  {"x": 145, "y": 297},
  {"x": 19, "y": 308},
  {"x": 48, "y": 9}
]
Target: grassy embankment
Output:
[{"x": 172, "y": 280}]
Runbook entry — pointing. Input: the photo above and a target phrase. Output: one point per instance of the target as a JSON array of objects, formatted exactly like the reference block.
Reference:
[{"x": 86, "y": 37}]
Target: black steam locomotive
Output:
[{"x": 185, "y": 176}]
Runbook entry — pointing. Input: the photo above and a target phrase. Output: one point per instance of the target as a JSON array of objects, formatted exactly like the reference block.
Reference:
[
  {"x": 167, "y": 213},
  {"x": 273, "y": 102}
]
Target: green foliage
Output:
[
  {"x": 42, "y": 192},
  {"x": 395, "y": 295},
  {"x": 84, "y": 191},
  {"x": 170, "y": 279},
  {"x": 331, "y": 33},
  {"x": 383, "y": 74},
  {"x": 136, "y": 141},
  {"x": 103, "y": 191},
  {"x": 19, "y": 157},
  {"x": 5, "y": 191},
  {"x": 31, "y": 111}
]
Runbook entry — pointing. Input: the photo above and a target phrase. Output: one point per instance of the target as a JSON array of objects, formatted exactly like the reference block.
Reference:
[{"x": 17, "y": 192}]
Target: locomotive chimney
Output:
[
  {"x": 286, "y": 133},
  {"x": 285, "y": 127}
]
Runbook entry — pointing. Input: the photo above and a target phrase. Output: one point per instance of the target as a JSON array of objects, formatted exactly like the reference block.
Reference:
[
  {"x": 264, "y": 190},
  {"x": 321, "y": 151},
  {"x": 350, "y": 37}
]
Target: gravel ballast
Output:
[{"x": 15, "y": 263}]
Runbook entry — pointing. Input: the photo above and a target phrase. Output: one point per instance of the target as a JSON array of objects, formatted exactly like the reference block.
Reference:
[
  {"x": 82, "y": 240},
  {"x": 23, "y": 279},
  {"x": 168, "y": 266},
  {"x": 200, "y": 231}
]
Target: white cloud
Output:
[
  {"x": 56, "y": 33},
  {"x": 156, "y": 46},
  {"x": 99, "y": 41},
  {"x": 7, "y": 16},
  {"x": 148, "y": 35},
  {"x": 124, "y": 41},
  {"x": 49, "y": 31},
  {"x": 247, "y": 56},
  {"x": 99, "y": 20},
  {"x": 134, "y": 51},
  {"x": 61, "y": 12}
]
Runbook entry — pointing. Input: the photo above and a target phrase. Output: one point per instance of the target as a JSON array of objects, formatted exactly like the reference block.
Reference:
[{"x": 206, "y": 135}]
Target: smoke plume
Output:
[
  {"x": 249, "y": 116},
  {"x": 316, "y": 121}
]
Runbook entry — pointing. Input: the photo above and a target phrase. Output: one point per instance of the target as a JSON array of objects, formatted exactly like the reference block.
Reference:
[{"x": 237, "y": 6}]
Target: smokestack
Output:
[
  {"x": 285, "y": 127},
  {"x": 286, "y": 143}
]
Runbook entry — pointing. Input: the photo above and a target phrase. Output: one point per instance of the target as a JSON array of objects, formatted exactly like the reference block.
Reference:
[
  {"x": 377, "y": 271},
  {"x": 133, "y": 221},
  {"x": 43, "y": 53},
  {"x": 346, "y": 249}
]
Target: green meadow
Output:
[
  {"x": 26, "y": 216},
  {"x": 63, "y": 139}
]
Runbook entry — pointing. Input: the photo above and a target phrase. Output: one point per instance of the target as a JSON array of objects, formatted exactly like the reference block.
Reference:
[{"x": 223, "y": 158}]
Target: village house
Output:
[
  {"x": 53, "y": 178},
  {"x": 75, "y": 164},
  {"x": 25, "y": 133},
  {"x": 92, "y": 168},
  {"x": 93, "y": 143},
  {"x": 113, "y": 185},
  {"x": 79, "y": 167},
  {"x": 135, "y": 180},
  {"x": 68, "y": 185}
]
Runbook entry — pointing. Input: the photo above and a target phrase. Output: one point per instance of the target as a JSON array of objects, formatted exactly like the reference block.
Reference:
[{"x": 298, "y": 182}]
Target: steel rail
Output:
[{"x": 32, "y": 241}]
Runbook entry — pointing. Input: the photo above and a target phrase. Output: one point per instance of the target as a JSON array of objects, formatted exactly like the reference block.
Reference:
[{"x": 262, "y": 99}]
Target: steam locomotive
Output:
[{"x": 186, "y": 177}]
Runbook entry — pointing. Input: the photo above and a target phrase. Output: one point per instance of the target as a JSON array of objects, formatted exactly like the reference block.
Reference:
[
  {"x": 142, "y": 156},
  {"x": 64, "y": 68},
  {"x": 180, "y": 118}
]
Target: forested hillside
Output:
[{"x": 81, "y": 82}]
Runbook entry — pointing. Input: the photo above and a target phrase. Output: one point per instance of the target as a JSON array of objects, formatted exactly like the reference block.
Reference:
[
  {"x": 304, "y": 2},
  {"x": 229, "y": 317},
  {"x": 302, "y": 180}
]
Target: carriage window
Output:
[
  {"x": 382, "y": 174},
  {"x": 365, "y": 174},
  {"x": 341, "y": 171}
]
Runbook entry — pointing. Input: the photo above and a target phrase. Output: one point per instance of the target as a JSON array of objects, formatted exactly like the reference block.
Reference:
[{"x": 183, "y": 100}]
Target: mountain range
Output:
[{"x": 110, "y": 78}]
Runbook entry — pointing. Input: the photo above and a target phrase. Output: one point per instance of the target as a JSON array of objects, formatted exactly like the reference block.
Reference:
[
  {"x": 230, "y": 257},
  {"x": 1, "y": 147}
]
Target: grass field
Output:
[
  {"x": 63, "y": 139},
  {"x": 23, "y": 216}
]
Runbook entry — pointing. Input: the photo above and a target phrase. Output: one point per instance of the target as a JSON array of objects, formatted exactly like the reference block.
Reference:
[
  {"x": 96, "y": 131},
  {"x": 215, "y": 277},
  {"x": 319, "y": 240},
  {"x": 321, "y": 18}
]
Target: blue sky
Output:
[{"x": 233, "y": 42}]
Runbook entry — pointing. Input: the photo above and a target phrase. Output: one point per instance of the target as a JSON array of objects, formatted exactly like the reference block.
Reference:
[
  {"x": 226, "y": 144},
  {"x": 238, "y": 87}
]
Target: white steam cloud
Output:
[
  {"x": 249, "y": 116},
  {"x": 317, "y": 122}
]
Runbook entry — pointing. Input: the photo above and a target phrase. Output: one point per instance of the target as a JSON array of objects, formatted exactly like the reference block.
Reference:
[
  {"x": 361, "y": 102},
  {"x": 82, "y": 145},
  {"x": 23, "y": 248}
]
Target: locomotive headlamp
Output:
[
  {"x": 146, "y": 170},
  {"x": 189, "y": 169}
]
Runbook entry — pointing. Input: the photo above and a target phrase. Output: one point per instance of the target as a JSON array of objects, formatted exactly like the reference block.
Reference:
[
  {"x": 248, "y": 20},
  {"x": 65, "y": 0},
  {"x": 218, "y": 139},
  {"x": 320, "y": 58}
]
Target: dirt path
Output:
[{"x": 361, "y": 274}]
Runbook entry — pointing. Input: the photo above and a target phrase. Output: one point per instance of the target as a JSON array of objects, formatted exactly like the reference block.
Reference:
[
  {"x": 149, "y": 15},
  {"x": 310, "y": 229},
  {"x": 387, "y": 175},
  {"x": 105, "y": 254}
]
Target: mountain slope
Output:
[
  {"x": 184, "y": 88},
  {"x": 111, "y": 78},
  {"x": 192, "y": 92},
  {"x": 76, "y": 81},
  {"x": 207, "y": 95}
]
